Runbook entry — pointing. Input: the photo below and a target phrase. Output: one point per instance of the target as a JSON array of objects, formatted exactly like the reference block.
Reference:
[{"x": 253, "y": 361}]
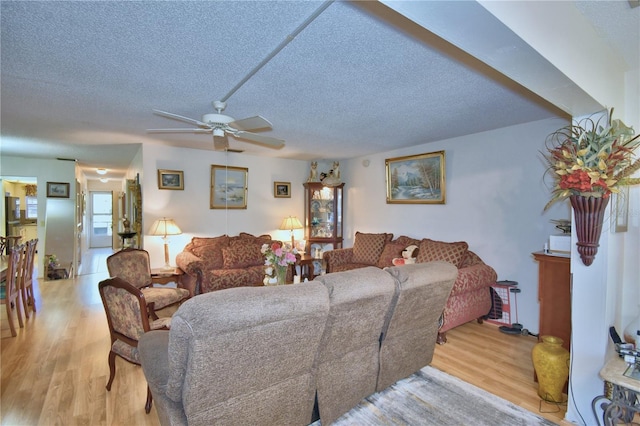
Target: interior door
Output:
[{"x": 101, "y": 219}]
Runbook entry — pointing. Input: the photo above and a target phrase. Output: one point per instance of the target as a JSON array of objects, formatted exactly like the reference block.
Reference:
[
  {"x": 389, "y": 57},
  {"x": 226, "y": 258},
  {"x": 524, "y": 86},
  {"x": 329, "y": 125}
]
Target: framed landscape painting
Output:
[
  {"x": 228, "y": 187},
  {"x": 170, "y": 179},
  {"x": 282, "y": 189},
  {"x": 57, "y": 190},
  {"x": 416, "y": 179}
]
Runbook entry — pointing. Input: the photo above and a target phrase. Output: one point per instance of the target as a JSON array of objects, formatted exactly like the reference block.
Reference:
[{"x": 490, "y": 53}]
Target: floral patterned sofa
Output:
[
  {"x": 470, "y": 298},
  {"x": 216, "y": 263}
]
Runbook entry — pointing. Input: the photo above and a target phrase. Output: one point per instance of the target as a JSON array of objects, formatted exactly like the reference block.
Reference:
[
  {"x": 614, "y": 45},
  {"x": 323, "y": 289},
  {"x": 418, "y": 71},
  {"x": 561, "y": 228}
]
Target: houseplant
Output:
[
  {"x": 277, "y": 261},
  {"x": 589, "y": 161}
]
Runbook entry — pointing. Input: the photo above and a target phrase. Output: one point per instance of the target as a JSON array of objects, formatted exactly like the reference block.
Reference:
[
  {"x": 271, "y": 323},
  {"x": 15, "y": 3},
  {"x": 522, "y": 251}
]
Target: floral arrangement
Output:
[
  {"x": 592, "y": 159},
  {"x": 53, "y": 261},
  {"x": 277, "y": 260}
]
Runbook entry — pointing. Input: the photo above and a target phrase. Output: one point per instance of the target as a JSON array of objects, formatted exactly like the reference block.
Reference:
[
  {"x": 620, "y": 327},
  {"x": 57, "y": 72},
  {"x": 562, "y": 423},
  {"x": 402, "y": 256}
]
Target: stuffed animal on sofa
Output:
[{"x": 409, "y": 255}]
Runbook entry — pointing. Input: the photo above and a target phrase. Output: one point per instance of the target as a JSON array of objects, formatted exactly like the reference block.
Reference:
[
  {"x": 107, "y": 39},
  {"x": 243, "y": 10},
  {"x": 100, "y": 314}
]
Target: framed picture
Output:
[
  {"x": 620, "y": 210},
  {"x": 416, "y": 179},
  {"x": 57, "y": 190},
  {"x": 282, "y": 189},
  {"x": 170, "y": 179},
  {"x": 228, "y": 187}
]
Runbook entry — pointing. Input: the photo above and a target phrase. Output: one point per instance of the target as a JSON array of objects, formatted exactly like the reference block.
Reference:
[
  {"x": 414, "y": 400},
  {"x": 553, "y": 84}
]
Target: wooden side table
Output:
[
  {"x": 164, "y": 277},
  {"x": 306, "y": 266}
]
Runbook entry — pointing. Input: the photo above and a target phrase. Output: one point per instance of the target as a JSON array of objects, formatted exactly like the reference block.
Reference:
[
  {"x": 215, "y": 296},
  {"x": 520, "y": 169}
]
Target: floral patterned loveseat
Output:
[
  {"x": 216, "y": 263},
  {"x": 470, "y": 297}
]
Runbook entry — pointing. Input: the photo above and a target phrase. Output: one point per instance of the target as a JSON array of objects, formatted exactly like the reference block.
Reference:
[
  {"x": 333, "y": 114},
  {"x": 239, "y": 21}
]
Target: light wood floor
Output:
[{"x": 55, "y": 371}]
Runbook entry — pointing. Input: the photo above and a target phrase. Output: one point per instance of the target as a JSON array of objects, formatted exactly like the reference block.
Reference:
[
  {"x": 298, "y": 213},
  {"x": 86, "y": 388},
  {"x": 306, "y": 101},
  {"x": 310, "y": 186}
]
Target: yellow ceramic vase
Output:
[{"x": 551, "y": 363}]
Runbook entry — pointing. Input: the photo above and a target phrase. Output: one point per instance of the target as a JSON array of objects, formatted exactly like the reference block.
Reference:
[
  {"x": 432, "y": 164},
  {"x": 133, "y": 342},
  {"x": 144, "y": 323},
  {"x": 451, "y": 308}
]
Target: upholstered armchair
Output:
[
  {"x": 126, "y": 311},
  {"x": 133, "y": 266}
]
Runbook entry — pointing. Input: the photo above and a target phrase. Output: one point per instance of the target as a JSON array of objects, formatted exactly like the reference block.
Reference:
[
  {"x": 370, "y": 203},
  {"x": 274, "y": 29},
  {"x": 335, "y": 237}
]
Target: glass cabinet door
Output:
[{"x": 323, "y": 214}]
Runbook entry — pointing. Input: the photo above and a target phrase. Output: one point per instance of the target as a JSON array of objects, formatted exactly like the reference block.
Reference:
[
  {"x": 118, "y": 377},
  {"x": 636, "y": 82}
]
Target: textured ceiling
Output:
[{"x": 80, "y": 79}]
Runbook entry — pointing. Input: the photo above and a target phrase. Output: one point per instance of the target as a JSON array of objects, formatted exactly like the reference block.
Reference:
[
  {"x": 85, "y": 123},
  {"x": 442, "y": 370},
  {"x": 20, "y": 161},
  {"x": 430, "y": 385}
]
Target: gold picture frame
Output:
[
  {"x": 228, "y": 187},
  {"x": 170, "y": 179},
  {"x": 416, "y": 179},
  {"x": 282, "y": 189},
  {"x": 57, "y": 190}
]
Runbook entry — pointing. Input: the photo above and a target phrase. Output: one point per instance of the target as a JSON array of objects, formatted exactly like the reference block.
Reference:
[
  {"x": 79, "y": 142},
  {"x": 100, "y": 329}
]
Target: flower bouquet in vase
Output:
[
  {"x": 277, "y": 261},
  {"x": 589, "y": 161}
]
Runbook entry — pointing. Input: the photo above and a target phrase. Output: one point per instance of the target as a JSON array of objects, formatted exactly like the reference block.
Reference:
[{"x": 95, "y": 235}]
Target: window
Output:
[{"x": 32, "y": 207}]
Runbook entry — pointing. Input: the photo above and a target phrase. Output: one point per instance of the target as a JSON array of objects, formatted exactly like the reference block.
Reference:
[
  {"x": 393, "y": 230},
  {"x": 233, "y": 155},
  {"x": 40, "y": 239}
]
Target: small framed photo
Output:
[
  {"x": 57, "y": 190},
  {"x": 170, "y": 179},
  {"x": 416, "y": 179},
  {"x": 228, "y": 187},
  {"x": 282, "y": 189}
]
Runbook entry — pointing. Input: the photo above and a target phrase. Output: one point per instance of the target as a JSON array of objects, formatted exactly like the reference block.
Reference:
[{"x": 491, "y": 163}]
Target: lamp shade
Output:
[
  {"x": 164, "y": 227},
  {"x": 291, "y": 223}
]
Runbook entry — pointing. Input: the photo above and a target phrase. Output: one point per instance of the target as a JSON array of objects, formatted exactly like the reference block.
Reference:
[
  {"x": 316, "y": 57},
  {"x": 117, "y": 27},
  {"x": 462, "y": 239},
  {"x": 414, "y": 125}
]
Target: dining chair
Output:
[
  {"x": 9, "y": 291},
  {"x": 3, "y": 245},
  {"x": 133, "y": 266},
  {"x": 126, "y": 310},
  {"x": 26, "y": 278}
]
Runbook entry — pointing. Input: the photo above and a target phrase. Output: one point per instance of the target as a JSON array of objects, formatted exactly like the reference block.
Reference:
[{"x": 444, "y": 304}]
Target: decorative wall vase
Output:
[
  {"x": 551, "y": 363},
  {"x": 589, "y": 214}
]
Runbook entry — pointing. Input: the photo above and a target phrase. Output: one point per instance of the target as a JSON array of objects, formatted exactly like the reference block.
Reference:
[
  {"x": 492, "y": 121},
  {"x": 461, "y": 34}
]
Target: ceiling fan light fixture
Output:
[
  {"x": 218, "y": 132},
  {"x": 101, "y": 171}
]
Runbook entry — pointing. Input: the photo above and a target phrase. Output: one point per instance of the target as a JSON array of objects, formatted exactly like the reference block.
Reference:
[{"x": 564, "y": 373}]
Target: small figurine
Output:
[
  {"x": 126, "y": 224},
  {"x": 313, "y": 173},
  {"x": 336, "y": 170}
]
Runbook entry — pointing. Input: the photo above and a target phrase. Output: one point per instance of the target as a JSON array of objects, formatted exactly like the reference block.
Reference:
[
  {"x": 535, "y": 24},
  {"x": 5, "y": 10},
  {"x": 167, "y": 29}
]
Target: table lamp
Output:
[
  {"x": 165, "y": 227},
  {"x": 291, "y": 223}
]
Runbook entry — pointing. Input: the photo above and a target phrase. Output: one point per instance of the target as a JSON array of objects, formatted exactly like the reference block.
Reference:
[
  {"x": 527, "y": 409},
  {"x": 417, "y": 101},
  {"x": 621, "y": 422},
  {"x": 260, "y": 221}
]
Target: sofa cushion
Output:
[
  {"x": 431, "y": 250},
  {"x": 205, "y": 241},
  {"x": 391, "y": 251},
  {"x": 242, "y": 255},
  {"x": 210, "y": 251},
  {"x": 406, "y": 241},
  {"x": 367, "y": 248}
]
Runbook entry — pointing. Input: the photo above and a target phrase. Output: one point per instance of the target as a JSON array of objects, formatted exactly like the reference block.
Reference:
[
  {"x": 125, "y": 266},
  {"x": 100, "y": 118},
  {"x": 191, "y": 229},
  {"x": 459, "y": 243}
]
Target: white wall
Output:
[
  {"x": 48, "y": 171},
  {"x": 494, "y": 201},
  {"x": 190, "y": 207}
]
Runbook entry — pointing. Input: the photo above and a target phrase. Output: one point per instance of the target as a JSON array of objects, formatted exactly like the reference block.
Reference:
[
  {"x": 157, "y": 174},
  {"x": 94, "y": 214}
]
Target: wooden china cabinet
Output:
[{"x": 323, "y": 215}]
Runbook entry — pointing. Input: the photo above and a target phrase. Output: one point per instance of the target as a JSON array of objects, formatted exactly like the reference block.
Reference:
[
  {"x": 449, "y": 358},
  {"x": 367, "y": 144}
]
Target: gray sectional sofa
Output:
[{"x": 283, "y": 355}]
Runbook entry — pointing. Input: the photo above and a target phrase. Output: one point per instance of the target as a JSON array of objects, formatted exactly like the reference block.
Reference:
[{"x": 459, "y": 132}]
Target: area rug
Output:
[{"x": 431, "y": 397}]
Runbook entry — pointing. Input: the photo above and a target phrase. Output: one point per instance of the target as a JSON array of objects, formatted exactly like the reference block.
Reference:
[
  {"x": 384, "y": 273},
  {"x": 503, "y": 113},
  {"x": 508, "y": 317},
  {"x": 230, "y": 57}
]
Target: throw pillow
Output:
[
  {"x": 242, "y": 256},
  {"x": 431, "y": 250},
  {"x": 367, "y": 248},
  {"x": 407, "y": 241},
  {"x": 211, "y": 253},
  {"x": 203, "y": 241},
  {"x": 390, "y": 251}
]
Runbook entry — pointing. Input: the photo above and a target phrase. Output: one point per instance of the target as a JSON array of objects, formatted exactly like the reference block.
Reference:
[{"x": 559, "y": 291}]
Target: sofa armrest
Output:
[
  {"x": 337, "y": 257},
  {"x": 190, "y": 263},
  {"x": 474, "y": 277},
  {"x": 154, "y": 356}
]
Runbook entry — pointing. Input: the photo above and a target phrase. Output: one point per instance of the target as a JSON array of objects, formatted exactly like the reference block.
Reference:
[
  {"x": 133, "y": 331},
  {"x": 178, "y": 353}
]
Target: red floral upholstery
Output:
[
  {"x": 470, "y": 298},
  {"x": 223, "y": 262}
]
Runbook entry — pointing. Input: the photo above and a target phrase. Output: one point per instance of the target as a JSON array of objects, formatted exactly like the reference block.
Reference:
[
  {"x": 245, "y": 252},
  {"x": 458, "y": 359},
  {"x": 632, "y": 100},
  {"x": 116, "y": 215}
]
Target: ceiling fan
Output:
[{"x": 221, "y": 126}]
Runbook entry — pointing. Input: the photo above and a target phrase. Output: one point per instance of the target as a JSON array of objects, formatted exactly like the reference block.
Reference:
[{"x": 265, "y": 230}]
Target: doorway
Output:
[{"x": 101, "y": 219}]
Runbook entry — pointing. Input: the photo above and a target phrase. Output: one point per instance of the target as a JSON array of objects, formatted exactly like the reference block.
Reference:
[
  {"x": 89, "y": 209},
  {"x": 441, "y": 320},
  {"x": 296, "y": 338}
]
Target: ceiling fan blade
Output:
[
  {"x": 179, "y": 130},
  {"x": 251, "y": 123},
  {"x": 181, "y": 118},
  {"x": 265, "y": 140}
]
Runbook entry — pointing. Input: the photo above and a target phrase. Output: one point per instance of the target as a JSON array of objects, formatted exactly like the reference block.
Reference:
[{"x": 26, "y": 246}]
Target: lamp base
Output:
[{"x": 168, "y": 268}]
